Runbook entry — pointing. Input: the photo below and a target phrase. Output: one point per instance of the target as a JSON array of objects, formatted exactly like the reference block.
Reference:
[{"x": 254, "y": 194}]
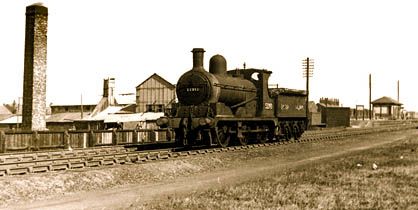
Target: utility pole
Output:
[
  {"x": 398, "y": 90},
  {"x": 308, "y": 66},
  {"x": 17, "y": 112},
  {"x": 370, "y": 97},
  {"x": 398, "y": 102},
  {"x": 82, "y": 111}
]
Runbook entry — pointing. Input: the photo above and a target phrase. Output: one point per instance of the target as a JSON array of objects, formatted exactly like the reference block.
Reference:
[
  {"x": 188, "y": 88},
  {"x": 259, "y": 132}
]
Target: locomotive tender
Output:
[{"x": 220, "y": 107}]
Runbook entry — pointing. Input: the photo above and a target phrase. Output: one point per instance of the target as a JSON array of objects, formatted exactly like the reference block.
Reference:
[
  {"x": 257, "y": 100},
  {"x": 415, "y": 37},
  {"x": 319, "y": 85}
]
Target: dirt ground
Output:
[{"x": 137, "y": 185}]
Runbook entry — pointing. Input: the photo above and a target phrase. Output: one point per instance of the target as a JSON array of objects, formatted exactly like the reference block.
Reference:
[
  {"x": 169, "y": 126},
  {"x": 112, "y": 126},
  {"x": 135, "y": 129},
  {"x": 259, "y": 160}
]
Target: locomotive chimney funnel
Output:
[{"x": 198, "y": 58}]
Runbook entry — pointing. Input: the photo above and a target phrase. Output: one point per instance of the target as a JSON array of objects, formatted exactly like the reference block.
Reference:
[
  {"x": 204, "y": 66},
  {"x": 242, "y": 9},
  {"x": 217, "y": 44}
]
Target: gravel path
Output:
[{"x": 132, "y": 186}]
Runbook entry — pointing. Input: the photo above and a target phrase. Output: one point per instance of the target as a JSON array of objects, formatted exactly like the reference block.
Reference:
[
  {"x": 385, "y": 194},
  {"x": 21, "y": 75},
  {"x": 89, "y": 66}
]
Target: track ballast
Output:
[{"x": 24, "y": 163}]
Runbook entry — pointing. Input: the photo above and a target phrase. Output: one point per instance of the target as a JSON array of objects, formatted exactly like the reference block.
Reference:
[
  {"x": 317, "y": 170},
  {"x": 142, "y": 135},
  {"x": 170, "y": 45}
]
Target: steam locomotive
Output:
[{"x": 223, "y": 107}]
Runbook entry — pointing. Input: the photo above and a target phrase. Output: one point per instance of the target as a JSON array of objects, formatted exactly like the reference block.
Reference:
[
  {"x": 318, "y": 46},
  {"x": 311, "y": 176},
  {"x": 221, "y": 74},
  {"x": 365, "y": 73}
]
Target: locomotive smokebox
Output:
[
  {"x": 198, "y": 59},
  {"x": 217, "y": 65},
  {"x": 198, "y": 86}
]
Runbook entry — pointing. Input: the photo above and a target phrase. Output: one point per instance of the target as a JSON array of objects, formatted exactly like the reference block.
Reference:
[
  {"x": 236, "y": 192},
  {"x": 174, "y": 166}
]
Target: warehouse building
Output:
[
  {"x": 155, "y": 94},
  {"x": 332, "y": 115}
]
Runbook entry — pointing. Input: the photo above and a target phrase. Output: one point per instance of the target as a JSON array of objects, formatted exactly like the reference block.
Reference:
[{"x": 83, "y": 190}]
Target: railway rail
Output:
[{"x": 24, "y": 163}]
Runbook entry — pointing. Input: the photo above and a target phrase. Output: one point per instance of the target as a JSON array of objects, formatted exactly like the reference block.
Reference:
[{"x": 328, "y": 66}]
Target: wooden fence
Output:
[{"x": 49, "y": 140}]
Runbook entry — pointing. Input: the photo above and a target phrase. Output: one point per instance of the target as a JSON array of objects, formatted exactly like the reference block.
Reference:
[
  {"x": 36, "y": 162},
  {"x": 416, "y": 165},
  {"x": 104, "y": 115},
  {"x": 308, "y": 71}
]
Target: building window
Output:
[
  {"x": 159, "y": 108},
  {"x": 149, "y": 108},
  {"x": 154, "y": 108},
  {"x": 384, "y": 110}
]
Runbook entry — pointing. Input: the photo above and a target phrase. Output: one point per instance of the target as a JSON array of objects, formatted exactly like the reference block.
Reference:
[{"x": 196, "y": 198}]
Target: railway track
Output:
[{"x": 24, "y": 163}]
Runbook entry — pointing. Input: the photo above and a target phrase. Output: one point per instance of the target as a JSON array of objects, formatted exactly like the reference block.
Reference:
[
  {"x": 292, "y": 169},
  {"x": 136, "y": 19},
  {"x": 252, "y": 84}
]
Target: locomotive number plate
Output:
[
  {"x": 299, "y": 107},
  {"x": 284, "y": 107},
  {"x": 268, "y": 106}
]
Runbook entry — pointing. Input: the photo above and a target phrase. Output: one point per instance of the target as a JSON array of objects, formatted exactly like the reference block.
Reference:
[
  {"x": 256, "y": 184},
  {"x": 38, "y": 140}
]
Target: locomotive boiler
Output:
[{"x": 220, "y": 107}]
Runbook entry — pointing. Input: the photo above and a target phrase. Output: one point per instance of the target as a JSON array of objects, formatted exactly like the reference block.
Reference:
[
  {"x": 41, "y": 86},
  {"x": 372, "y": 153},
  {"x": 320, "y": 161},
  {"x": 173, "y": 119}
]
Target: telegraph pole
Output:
[
  {"x": 370, "y": 97},
  {"x": 82, "y": 111},
  {"x": 398, "y": 90},
  {"x": 308, "y": 66}
]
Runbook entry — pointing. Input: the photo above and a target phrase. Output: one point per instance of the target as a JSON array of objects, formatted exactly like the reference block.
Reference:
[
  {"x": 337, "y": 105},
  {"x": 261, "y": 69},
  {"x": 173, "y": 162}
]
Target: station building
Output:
[{"x": 387, "y": 108}]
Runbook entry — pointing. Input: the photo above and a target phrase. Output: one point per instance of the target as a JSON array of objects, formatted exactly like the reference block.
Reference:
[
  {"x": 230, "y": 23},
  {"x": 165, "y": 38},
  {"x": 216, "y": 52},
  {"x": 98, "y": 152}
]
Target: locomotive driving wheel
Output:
[
  {"x": 263, "y": 137},
  {"x": 223, "y": 136},
  {"x": 243, "y": 140},
  {"x": 296, "y": 132},
  {"x": 243, "y": 137},
  {"x": 288, "y": 133}
]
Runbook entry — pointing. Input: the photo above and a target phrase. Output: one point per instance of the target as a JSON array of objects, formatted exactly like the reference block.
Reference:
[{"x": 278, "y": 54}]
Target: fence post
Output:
[
  {"x": 168, "y": 135},
  {"x": 135, "y": 137},
  {"x": 2, "y": 142},
  {"x": 92, "y": 139},
  {"x": 152, "y": 135},
  {"x": 66, "y": 140},
  {"x": 114, "y": 137},
  {"x": 36, "y": 141}
]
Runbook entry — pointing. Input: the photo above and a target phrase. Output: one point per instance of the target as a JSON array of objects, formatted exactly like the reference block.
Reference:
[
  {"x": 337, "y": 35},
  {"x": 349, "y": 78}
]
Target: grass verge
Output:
[{"x": 348, "y": 182}]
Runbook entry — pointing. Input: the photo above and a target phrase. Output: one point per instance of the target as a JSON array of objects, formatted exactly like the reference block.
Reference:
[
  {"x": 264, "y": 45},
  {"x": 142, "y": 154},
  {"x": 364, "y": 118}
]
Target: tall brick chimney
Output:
[{"x": 34, "y": 84}]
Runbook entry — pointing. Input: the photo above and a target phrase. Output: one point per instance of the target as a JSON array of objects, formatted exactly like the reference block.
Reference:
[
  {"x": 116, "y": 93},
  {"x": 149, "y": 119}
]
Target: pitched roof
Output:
[
  {"x": 87, "y": 100},
  {"x": 105, "y": 112},
  {"x": 386, "y": 100},
  {"x": 66, "y": 117},
  {"x": 135, "y": 117},
  {"x": 127, "y": 99},
  {"x": 4, "y": 110},
  {"x": 328, "y": 105},
  {"x": 12, "y": 120},
  {"x": 159, "y": 79}
]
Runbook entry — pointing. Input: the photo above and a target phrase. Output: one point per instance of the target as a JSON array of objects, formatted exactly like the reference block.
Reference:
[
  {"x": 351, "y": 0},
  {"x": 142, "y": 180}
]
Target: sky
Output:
[{"x": 130, "y": 40}]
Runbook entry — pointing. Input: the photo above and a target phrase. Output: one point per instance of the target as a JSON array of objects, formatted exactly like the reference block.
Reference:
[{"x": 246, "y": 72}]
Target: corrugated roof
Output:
[
  {"x": 126, "y": 99},
  {"x": 103, "y": 114},
  {"x": 66, "y": 117},
  {"x": 107, "y": 116},
  {"x": 60, "y": 117},
  {"x": 12, "y": 120},
  {"x": 386, "y": 100},
  {"x": 152, "y": 115},
  {"x": 87, "y": 100},
  {"x": 136, "y": 117},
  {"x": 122, "y": 118},
  {"x": 4, "y": 110},
  {"x": 70, "y": 105}
]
